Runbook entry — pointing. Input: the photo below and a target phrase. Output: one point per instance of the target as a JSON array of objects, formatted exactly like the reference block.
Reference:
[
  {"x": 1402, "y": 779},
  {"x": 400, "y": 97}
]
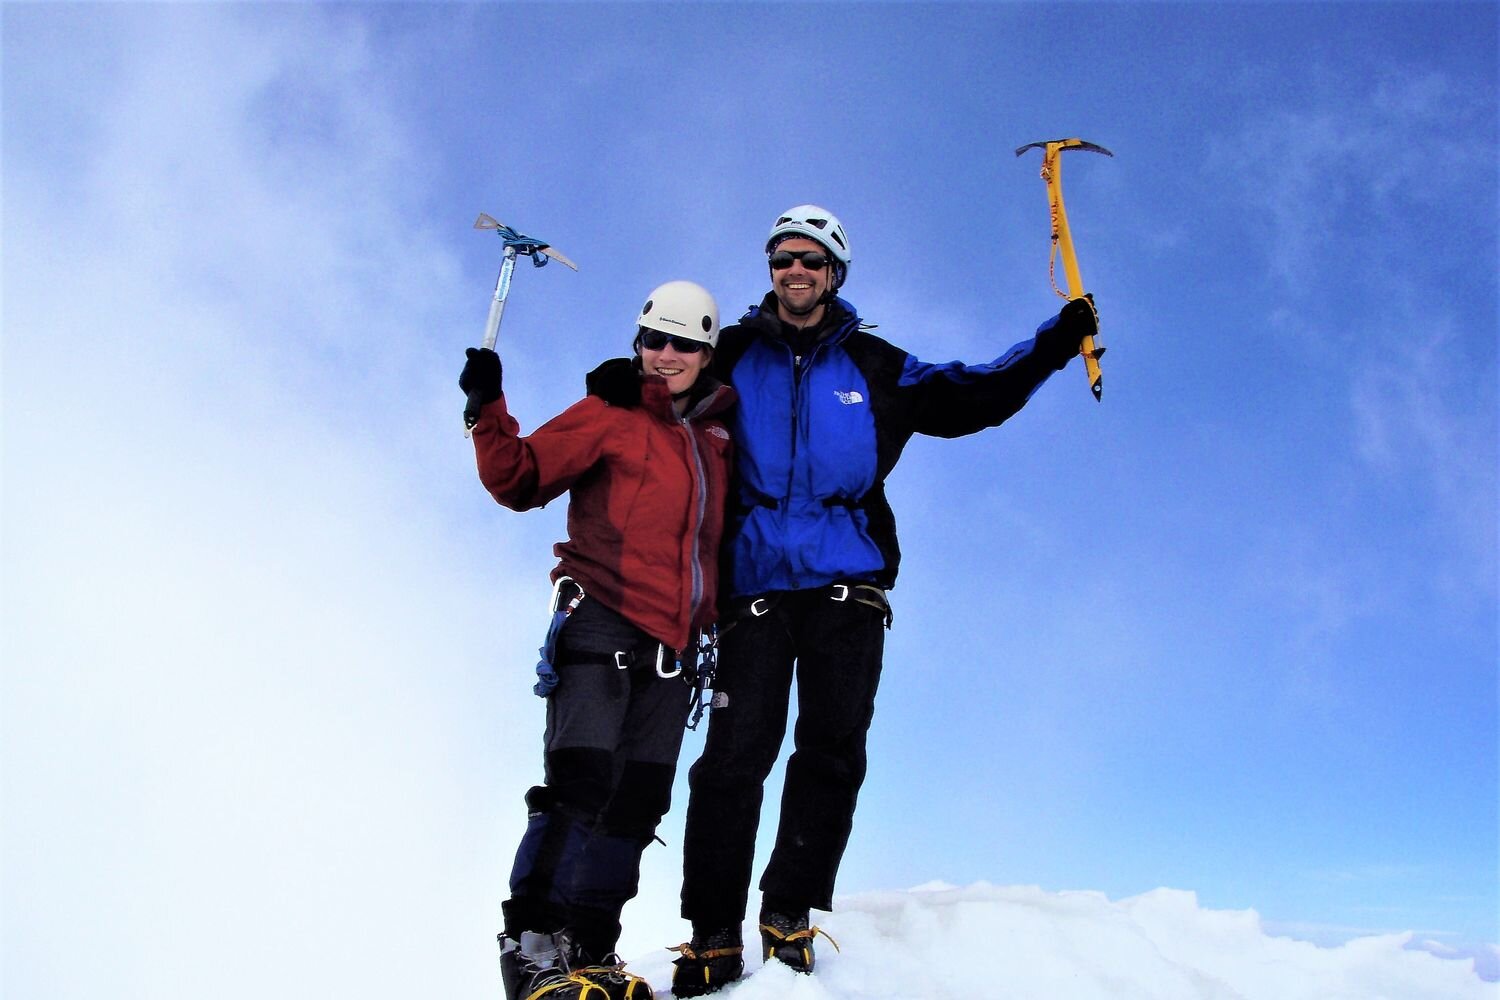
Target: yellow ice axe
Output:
[{"x": 1063, "y": 239}]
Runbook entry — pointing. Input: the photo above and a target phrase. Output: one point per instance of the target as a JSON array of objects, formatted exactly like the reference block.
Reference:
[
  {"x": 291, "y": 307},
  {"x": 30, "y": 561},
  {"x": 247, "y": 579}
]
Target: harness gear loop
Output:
[{"x": 867, "y": 594}]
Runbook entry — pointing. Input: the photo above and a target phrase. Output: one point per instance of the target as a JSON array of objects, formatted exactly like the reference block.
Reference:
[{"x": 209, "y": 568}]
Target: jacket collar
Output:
[
  {"x": 839, "y": 319},
  {"x": 708, "y": 397}
]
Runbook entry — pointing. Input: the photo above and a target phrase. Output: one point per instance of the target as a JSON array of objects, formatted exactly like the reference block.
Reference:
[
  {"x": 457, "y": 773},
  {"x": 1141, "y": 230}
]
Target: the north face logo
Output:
[
  {"x": 849, "y": 398},
  {"x": 718, "y": 431}
]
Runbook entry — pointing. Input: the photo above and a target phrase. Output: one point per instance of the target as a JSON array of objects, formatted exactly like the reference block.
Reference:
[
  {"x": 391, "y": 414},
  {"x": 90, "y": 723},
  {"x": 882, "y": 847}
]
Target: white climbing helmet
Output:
[
  {"x": 819, "y": 225},
  {"x": 682, "y": 309}
]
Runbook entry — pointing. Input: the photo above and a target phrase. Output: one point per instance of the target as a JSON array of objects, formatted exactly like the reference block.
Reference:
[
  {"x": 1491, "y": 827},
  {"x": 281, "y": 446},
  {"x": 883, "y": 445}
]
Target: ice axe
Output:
[
  {"x": 516, "y": 244},
  {"x": 1063, "y": 239}
]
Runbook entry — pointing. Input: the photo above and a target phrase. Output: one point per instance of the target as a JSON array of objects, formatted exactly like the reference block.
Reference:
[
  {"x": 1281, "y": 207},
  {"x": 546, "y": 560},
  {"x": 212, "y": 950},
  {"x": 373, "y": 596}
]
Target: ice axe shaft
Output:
[
  {"x": 497, "y": 303},
  {"x": 516, "y": 244},
  {"x": 1062, "y": 242}
]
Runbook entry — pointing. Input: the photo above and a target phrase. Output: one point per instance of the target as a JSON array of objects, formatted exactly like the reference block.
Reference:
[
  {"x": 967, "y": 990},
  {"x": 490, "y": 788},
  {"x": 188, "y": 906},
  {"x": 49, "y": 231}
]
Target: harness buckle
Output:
[
  {"x": 622, "y": 659},
  {"x": 759, "y": 607},
  {"x": 840, "y": 591}
]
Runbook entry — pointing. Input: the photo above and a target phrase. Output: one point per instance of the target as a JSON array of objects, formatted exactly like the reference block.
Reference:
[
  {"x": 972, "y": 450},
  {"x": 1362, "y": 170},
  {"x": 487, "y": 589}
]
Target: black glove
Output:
[
  {"x": 480, "y": 379},
  {"x": 1062, "y": 341},
  {"x": 617, "y": 382}
]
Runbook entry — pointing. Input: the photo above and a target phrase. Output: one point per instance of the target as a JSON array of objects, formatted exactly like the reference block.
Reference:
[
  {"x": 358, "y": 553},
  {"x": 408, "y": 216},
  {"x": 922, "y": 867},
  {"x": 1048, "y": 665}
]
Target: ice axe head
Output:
[{"x": 1053, "y": 146}]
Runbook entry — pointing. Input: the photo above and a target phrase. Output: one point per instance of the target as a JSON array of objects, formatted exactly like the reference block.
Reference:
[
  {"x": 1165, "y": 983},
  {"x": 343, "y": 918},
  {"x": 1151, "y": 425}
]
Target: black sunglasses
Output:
[
  {"x": 813, "y": 260},
  {"x": 655, "y": 340}
]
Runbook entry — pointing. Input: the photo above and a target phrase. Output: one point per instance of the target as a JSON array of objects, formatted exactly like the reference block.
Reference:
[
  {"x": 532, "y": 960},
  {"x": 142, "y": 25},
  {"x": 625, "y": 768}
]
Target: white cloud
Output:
[{"x": 254, "y": 727}]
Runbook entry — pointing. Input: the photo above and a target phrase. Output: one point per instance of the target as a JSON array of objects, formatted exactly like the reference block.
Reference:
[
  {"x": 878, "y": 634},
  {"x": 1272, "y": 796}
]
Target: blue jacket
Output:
[{"x": 817, "y": 434}]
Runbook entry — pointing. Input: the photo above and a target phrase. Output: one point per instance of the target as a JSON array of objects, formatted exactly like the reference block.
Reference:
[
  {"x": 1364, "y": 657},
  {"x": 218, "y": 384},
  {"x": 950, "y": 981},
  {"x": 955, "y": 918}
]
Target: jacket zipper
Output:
[{"x": 697, "y": 533}]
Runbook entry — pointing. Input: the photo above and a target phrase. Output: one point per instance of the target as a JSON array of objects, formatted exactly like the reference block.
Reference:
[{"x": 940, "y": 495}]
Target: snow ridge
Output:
[{"x": 938, "y": 942}]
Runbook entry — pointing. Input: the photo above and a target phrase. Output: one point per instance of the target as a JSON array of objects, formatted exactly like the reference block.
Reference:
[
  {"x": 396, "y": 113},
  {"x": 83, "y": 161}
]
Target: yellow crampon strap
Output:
[
  {"x": 807, "y": 932},
  {"x": 686, "y": 951},
  {"x": 633, "y": 982},
  {"x": 590, "y": 988}
]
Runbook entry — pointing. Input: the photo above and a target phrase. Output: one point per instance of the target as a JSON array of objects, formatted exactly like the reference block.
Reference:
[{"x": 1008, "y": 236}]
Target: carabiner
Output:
[
  {"x": 661, "y": 649},
  {"x": 557, "y": 592}
]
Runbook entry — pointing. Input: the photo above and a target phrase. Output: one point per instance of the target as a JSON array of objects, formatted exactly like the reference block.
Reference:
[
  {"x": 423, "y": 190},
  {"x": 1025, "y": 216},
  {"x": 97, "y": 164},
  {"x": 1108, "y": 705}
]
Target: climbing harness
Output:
[
  {"x": 669, "y": 663},
  {"x": 866, "y": 594}
]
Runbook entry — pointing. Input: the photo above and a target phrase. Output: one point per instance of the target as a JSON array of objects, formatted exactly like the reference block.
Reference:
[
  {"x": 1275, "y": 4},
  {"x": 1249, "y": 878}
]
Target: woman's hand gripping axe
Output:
[
  {"x": 515, "y": 244},
  {"x": 1063, "y": 239}
]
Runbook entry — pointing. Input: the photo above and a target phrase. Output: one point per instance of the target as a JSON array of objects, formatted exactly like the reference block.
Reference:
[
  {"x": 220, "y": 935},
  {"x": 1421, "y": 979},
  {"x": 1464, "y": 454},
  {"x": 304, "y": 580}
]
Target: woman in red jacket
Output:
[{"x": 636, "y": 581}]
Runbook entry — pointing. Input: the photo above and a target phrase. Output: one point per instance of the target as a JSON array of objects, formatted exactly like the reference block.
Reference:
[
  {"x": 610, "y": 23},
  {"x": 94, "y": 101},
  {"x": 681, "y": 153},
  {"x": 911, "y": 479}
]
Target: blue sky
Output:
[{"x": 1232, "y": 631}]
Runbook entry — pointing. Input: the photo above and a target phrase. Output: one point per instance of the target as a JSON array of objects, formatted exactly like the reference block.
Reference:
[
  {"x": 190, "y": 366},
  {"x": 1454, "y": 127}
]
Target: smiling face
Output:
[
  {"x": 797, "y": 289},
  {"x": 679, "y": 368}
]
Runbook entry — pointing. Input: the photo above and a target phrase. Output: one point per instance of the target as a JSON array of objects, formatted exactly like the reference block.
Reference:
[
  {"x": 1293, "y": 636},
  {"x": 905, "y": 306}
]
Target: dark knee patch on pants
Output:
[
  {"x": 641, "y": 799},
  {"x": 579, "y": 780}
]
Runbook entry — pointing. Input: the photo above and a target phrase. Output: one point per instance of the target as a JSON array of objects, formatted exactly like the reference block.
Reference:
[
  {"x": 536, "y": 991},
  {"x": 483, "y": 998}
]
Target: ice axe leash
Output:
[
  {"x": 516, "y": 245},
  {"x": 1062, "y": 240}
]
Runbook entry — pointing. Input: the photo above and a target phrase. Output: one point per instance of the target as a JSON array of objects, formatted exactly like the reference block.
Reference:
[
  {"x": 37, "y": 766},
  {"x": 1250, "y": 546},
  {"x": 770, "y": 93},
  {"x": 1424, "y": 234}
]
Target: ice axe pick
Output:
[
  {"x": 516, "y": 244},
  {"x": 1062, "y": 239}
]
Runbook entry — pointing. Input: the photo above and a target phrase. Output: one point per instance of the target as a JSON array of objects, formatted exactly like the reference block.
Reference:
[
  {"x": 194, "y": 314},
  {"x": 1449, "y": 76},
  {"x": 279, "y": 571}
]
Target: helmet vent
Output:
[{"x": 708, "y": 323}]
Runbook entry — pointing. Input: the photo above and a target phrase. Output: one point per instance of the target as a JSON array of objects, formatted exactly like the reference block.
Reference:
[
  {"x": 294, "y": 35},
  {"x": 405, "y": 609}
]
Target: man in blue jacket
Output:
[{"x": 825, "y": 408}]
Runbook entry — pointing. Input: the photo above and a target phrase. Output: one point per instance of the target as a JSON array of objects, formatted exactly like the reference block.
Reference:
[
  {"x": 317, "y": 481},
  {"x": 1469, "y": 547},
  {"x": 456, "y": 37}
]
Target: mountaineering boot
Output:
[
  {"x": 710, "y": 961},
  {"x": 609, "y": 975},
  {"x": 535, "y": 966},
  {"x": 788, "y": 939}
]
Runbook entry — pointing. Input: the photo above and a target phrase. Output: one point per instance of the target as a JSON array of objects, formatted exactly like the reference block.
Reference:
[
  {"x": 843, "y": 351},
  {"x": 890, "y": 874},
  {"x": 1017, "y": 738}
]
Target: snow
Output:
[{"x": 987, "y": 942}]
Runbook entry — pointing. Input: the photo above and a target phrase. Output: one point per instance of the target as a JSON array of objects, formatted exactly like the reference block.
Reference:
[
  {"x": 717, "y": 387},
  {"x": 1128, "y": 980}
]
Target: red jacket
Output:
[{"x": 647, "y": 506}]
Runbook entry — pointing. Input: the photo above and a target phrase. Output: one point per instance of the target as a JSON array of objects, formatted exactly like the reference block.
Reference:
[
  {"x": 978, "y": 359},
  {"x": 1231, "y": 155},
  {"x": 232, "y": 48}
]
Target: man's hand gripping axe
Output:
[
  {"x": 516, "y": 244},
  {"x": 1063, "y": 239}
]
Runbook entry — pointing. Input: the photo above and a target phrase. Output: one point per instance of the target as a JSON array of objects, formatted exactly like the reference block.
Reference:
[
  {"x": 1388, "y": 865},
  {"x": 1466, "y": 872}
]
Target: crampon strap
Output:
[
  {"x": 686, "y": 951},
  {"x": 806, "y": 932},
  {"x": 602, "y": 977},
  {"x": 586, "y": 988}
]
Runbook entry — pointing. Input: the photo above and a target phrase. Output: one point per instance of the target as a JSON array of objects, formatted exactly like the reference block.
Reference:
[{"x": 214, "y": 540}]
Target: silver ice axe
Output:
[
  {"x": 516, "y": 244},
  {"x": 1062, "y": 239}
]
